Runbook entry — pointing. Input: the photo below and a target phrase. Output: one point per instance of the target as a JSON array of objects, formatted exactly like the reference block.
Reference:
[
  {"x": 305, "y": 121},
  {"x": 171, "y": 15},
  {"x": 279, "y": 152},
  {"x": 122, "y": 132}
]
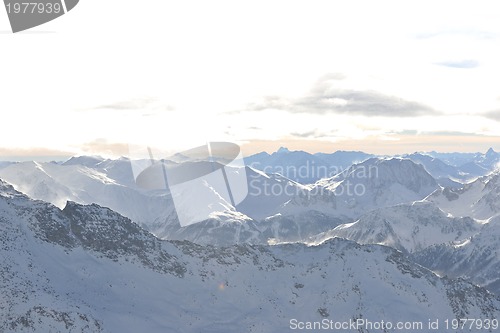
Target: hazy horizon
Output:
[{"x": 26, "y": 157}]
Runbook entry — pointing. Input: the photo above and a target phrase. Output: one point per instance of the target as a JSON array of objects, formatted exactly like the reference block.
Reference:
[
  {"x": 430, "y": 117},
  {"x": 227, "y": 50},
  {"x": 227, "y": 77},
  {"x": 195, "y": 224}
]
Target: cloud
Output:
[
  {"x": 407, "y": 132},
  {"x": 466, "y": 63},
  {"x": 315, "y": 134},
  {"x": 495, "y": 115},
  {"x": 326, "y": 82},
  {"x": 450, "y": 133},
  {"x": 410, "y": 132},
  {"x": 309, "y": 134},
  {"x": 368, "y": 103},
  {"x": 345, "y": 101},
  {"x": 326, "y": 97},
  {"x": 128, "y": 105},
  {"x": 136, "y": 104}
]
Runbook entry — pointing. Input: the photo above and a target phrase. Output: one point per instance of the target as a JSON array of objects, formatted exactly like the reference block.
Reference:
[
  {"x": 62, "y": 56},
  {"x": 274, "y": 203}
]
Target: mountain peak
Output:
[
  {"x": 88, "y": 161},
  {"x": 3, "y": 183},
  {"x": 283, "y": 150},
  {"x": 490, "y": 152},
  {"x": 7, "y": 190}
]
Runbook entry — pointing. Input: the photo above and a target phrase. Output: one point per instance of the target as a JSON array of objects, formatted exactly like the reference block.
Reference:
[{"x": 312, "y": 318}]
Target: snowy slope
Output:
[
  {"x": 110, "y": 183},
  {"x": 445, "y": 174},
  {"x": 372, "y": 184},
  {"x": 298, "y": 166},
  {"x": 87, "y": 269},
  {"x": 4, "y": 164},
  {"x": 267, "y": 192},
  {"x": 475, "y": 258},
  {"x": 344, "y": 159},
  {"x": 406, "y": 227},
  {"x": 434, "y": 166},
  {"x": 475, "y": 164},
  {"x": 32, "y": 178},
  {"x": 105, "y": 183},
  {"x": 275, "y": 207},
  {"x": 479, "y": 199},
  {"x": 88, "y": 161},
  {"x": 303, "y": 167},
  {"x": 257, "y": 218}
]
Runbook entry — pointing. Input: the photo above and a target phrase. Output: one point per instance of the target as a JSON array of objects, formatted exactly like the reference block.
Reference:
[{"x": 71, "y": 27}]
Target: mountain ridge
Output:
[{"x": 87, "y": 277}]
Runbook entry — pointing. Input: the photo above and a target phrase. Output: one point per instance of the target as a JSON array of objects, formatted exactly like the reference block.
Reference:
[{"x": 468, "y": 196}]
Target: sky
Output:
[{"x": 384, "y": 77}]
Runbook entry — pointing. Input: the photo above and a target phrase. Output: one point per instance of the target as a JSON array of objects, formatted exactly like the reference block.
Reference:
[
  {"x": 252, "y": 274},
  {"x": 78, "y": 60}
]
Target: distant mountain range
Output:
[
  {"x": 276, "y": 207},
  {"x": 304, "y": 167},
  {"x": 449, "y": 169},
  {"x": 273, "y": 208}
]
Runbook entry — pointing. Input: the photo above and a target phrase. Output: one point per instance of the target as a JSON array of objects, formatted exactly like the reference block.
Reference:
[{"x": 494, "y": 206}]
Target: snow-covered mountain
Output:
[
  {"x": 406, "y": 227},
  {"x": 88, "y": 161},
  {"x": 304, "y": 167},
  {"x": 278, "y": 208},
  {"x": 88, "y": 269},
  {"x": 275, "y": 207},
  {"x": 446, "y": 175},
  {"x": 479, "y": 199},
  {"x": 258, "y": 218},
  {"x": 490, "y": 160},
  {"x": 299, "y": 166},
  {"x": 475, "y": 258},
  {"x": 373, "y": 184},
  {"x": 474, "y": 164},
  {"x": 344, "y": 159},
  {"x": 267, "y": 192},
  {"x": 88, "y": 180},
  {"x": 111, "y": 183},
  {"x": 4, "y": 164}
]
